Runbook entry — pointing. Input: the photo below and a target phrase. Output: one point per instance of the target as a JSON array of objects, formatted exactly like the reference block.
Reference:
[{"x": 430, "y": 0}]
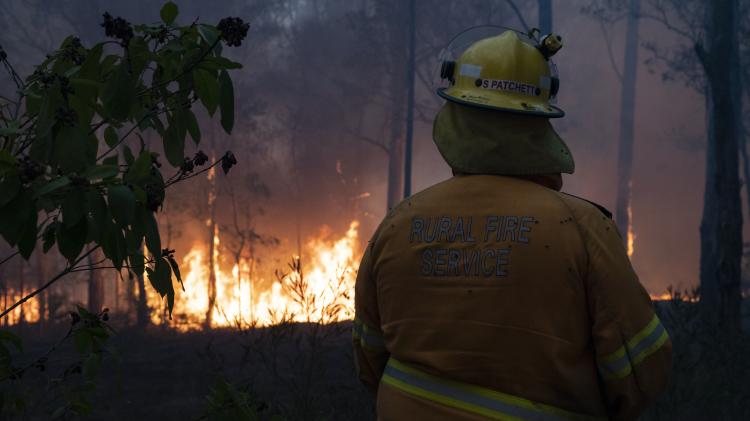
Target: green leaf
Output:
[
  {"x": 175, "y": 46},
  {"x": 137, "y": 263},
  {"x": 140, "y": 195},
  {"x": 226, "y": 101},
  {"x": 128, "y": 155},
  {"x": 114, "y": 245},
  {"x": 7, "y": 162},
  {"x": 209, "y": 33},
  {"x": 53, "y": 185},
  {"x": 74, "y": 207},
  {"x": 207, "y": 89},
  {"x": 98, "y": 208},
  {"x": 11, "y": 338},
  {"x": 160, "y": 277},
  {"x": 174, "y": 145},
  {"x": 157, "y": 124},
  {"x": 122, "y": 204},
  {"x": 82, "y": 340},
  {"x": 48, "y": 237},
  {"x": 151, "y": 230},
  {"x": 70, "y": 240},
  {"x": 176, "y": 270},
  {"x": 170, "y": 299},
  {"x": 91, "y": 365},
  {"x": 94, "y": 232},
  {"x": 51, "y": 101},
  {"x": 27, "y": 242},
  {"x": 139, "y": 169},
  {"x": 192, "y": 126},
  {"x": 85, "y": 84},
  {"x": 139, "y": 55},
  {"x": 155, "y": 186},
  {"x": 119, "y": 92},
  {"x": 134, "y": 241},
  {"x": 110, "y": 136},
  {"x": 100, "y": 217},
  {"x": 219, "y": 63},
  {"x": 9, "y": 186},
  {"x": 99, "y": 172},
  {"x": 113, "y": 160},
  {"x": 90, "y": 67},
  {"x": 13, "y": 217},
  {"x": 169, "y": 12},
  {"x": 72, "y": 149}
]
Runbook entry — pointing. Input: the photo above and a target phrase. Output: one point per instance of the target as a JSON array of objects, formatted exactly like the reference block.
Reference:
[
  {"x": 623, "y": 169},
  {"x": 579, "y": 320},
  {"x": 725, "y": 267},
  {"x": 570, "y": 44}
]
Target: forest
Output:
[{"x": 187, "y": 189}]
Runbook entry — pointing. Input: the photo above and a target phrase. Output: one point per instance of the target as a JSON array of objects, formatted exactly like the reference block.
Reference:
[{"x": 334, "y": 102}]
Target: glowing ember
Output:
[
  {"x": 318, "y": 288},
  {"x": 662, "y": 297}
]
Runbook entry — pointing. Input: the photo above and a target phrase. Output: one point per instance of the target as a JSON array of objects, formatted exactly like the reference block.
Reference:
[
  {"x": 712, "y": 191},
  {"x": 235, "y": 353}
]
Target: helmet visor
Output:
[{"x": 460, "y": 43}]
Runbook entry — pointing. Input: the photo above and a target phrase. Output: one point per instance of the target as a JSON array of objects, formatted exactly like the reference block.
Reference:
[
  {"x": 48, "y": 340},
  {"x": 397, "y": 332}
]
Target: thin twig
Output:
[
  {"x": 184, "y": 71},
  {"x": 181, "y": 178},
  {"x": 125, "y": 136},
  {"x": 519, "y": 15},
  {"x": 66, "y": 271},
  {"x": 20, "y": 371},
  {"x": 608, "y": 44}
]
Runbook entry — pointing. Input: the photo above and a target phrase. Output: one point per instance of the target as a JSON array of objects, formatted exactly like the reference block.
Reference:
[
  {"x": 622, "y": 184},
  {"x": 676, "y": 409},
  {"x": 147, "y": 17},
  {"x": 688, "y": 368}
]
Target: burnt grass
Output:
[
  {"x": 305, "y": 372},
  {"x": 293, "y": 371}
]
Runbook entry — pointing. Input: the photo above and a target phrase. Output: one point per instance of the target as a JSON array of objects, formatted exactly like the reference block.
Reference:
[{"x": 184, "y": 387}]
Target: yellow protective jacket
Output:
[{"x": 491, "y": 297}]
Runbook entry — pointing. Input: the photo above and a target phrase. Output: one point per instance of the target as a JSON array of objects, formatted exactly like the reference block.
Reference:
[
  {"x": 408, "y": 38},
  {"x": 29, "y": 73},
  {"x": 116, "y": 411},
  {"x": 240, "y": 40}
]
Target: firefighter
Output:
[{"x": 493, "y": 295}]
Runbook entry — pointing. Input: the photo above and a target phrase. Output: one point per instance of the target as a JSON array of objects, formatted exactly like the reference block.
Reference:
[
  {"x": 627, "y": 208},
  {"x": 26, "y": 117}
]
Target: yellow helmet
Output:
[{"x": 505, "y": 73}]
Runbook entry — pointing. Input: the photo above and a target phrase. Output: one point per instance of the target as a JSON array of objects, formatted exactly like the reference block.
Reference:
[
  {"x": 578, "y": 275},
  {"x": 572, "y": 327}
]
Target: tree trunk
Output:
[
  {"x": 211, "y": 250},
  {"x": 41, "y": 270},
  {"x": 396, "y": 158},
  {"x": 4, "y": 289},
  {"x": 545, "y": 16},
  {"x": 410, "y": 70},
  {"x": 395, "y": 37},
  {"x": 721, "y": 227},
  {"x": 96, "y": 284},
  {"x": 623, "y": 214},
  {"x": 142, "y": 312},
  {"x": 21, "y": 286}
]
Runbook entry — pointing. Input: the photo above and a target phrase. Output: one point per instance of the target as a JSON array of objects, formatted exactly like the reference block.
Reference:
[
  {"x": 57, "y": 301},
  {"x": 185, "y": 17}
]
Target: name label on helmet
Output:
[{"x": 510, "y": 86}]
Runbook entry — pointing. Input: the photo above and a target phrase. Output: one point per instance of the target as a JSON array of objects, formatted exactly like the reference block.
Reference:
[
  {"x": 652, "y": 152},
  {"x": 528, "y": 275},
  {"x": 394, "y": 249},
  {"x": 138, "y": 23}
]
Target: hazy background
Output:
[{"x": 319, "y": 88}]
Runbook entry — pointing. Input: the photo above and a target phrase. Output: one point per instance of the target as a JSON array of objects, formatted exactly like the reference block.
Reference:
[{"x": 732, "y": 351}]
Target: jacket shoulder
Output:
[{"x": 582, "y": 204}]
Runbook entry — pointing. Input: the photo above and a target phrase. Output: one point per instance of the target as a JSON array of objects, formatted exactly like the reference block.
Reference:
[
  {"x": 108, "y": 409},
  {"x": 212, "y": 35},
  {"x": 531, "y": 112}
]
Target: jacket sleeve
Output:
[
  {"x": 633, "y": 349},
  {"x": 370, "y": 354}
]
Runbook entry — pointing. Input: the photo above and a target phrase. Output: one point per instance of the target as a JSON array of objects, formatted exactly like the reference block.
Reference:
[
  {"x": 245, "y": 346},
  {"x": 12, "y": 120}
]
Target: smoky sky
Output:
[{"x": 315, "y": 84}]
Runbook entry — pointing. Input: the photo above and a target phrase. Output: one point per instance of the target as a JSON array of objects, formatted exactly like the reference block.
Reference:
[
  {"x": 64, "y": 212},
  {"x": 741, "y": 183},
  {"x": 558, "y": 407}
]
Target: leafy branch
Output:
[{"x": 145, "y": 78}]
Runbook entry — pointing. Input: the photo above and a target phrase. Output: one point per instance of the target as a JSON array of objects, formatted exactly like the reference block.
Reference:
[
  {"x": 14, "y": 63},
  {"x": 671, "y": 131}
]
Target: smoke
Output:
[{"x": 314, "y": 117}]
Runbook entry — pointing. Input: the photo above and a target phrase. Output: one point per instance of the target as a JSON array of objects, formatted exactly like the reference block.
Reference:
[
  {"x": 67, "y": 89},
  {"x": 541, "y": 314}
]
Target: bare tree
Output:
[
  {"x": 709, "y": 61},
  {"x": 608, "y": 13},
  {"x": 545, "y": 16},
  {"x": 721, "y": 227}
]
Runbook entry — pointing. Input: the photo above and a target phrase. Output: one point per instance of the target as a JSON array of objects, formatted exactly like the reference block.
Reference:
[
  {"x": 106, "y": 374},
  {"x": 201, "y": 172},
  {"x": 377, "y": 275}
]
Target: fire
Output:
[
  {"x": 317, "y": 288},
  {"x": 28, "y": 312},
  {"x": 631, "y": 234}
]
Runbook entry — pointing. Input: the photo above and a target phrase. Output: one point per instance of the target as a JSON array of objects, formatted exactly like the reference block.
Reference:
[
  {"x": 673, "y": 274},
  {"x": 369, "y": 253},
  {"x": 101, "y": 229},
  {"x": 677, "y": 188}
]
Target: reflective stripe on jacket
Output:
[
  {"x": 478, "y": 400},
  {"x": 506, "y": 287}
]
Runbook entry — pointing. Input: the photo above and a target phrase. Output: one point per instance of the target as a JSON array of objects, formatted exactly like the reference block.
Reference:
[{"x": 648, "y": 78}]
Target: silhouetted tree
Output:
[{"x": 709, "y": 61}]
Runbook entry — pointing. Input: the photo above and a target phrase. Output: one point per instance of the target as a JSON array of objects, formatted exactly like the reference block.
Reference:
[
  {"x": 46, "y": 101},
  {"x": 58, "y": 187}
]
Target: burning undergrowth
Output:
[{"x": 318, "y": 287}]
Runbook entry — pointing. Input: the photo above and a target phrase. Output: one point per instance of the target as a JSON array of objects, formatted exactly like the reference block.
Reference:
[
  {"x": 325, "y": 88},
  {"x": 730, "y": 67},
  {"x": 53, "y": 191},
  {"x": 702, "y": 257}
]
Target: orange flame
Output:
[
  {"x": 29, "y": 310},
  {"x": 317, "y": 289},
  {"x": 631, "y": 234}
]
